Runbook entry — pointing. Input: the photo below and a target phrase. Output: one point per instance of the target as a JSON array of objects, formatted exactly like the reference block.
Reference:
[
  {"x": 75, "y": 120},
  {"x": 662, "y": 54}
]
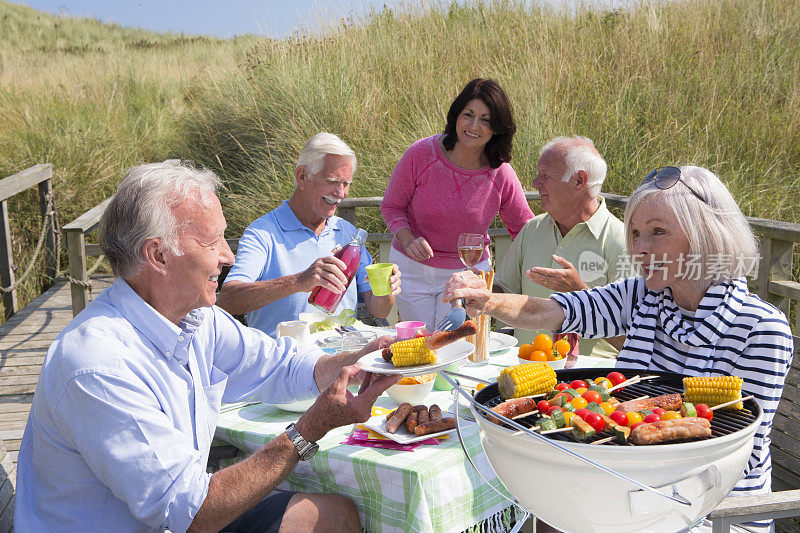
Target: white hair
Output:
[
  {"x": 317, "y": 147},
  {"x": 580, "y": 154},
  {"x": 142, "y": 209},
  {"x": 715, "y": 228}
]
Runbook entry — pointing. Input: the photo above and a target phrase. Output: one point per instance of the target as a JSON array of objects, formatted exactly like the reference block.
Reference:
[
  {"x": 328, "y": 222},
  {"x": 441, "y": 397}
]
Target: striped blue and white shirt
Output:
[{"x": 732, "y": 332}]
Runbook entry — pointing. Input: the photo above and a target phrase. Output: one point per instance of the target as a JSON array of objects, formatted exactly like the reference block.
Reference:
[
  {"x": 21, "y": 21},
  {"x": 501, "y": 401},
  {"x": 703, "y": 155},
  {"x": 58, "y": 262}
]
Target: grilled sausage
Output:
[
  {"x": 387, "y": 355},
  {"x": 671, "y": 430},
  {"x": 440, "y": 339},
  {"x": 435, "y": 412},
  {"x": 515, "y": 407},
  {"x": 418, "y": 408},
  {"x": 436, "y": 426},
  {"x": 423, "y": 417},
  {"x": 668, "y": 402},
  {"x": 411, "y": 421},
  {"x": 398, "y": 417}
]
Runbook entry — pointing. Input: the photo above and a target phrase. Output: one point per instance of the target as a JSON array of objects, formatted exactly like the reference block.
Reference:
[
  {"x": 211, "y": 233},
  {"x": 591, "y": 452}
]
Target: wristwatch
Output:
[{"x": 304, "y": 448}]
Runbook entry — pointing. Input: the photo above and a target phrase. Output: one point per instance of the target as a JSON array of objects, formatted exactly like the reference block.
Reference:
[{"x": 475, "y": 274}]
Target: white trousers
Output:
[{"x": 422, "y": 287}]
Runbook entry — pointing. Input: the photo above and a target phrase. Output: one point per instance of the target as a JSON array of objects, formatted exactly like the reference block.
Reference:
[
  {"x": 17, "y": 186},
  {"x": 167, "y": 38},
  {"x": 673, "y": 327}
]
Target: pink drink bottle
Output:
[{"x": 327, "y": 300}]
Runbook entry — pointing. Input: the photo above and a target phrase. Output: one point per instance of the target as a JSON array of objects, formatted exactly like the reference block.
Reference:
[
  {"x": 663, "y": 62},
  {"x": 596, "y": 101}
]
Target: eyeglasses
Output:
[{"x": 666, "y": 178}]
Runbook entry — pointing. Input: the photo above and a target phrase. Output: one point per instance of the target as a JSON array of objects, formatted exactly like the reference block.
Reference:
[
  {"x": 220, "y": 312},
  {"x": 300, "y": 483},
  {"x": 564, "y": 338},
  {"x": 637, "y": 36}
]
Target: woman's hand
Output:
[
  {"x": 470, "y": 287},
  {"x": 419, "y": 249}
]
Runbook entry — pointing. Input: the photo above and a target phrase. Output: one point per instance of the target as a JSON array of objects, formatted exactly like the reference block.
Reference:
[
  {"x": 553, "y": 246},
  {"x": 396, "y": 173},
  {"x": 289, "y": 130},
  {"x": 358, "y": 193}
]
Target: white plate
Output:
[
  {"x": 500, "y": 341},
  {"x": 373, "y": 362},
  {"x": 402, "y": 436}
]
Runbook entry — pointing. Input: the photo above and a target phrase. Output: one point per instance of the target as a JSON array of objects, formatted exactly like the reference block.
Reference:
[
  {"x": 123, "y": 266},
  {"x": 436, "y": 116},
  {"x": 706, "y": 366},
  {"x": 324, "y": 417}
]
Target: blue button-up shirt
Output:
[
  {"x": 126, "y": 407},
  {"x": 278, "y": 244}
]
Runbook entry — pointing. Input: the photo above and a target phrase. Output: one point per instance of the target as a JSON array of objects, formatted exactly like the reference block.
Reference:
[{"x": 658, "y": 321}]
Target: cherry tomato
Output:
[
  {"x": 579, "y": 402},
  {"x": 616, "y": 378},
  {"x": 652, "y": 418},
  {"x": 562, "y": 386},
  {"x": 603, "y": 382},
  {"x": 704, "y": 411},
  {"x": 671, "y": 415},
  {"x": 633, "y": 418},
  {"x": 619, "y": 417},
  {"x": 592, "y": 396},
  {"x": 582, "y": 413},
  {"x": 596, "y": 421},
  {"x": 553, "y": 410},
  {"x": 607, "y": 408},
  {"x": 578, "y": 383},
  {"x": 543, "y": 406},
  {"x": 633, "y": 426},
  {"x": 659, "y": 411}
]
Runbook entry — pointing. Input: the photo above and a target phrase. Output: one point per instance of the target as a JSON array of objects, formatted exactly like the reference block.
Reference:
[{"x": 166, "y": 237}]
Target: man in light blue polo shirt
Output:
[
  {"x": 285, "y": 254},
  {"x": 576, "y": 244}
]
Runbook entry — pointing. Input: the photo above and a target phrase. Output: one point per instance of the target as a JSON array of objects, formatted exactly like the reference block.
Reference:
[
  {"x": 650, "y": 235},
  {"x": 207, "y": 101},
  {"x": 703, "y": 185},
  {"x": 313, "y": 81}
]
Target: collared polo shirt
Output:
[
  {"x": 278, "y": 244},
  {"x": 595, "y": 247},
  {"x": 126, "y": 407}
]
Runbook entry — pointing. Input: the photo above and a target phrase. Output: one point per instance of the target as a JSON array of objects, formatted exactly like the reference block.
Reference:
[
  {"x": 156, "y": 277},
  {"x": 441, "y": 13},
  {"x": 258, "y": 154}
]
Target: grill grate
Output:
[{"x": 725, "y": 421}]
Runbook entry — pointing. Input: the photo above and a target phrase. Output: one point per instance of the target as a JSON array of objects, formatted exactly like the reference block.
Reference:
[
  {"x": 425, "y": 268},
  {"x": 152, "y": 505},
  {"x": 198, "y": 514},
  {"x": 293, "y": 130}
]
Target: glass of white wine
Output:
[{"x": 470, "y": 248}]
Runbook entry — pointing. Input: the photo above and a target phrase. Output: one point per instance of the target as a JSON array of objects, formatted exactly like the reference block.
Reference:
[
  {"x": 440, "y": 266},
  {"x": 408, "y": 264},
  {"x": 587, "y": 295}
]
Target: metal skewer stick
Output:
[{"x": 444, "y": 373}]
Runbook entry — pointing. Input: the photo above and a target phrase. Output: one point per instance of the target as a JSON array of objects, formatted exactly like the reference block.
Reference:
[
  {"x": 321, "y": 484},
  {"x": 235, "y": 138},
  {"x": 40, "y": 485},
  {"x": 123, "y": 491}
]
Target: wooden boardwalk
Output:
[{"x": 24, "y": 340}]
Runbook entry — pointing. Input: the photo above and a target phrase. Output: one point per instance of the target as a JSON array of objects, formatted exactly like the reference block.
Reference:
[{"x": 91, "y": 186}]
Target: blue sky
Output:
[
  {"x": 223, "y": 18},
  {"x": 226, "y": 18}
]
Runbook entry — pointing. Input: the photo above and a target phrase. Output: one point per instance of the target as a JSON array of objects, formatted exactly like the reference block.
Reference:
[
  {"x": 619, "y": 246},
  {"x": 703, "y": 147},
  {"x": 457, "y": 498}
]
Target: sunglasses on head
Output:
[{"x": 666, "y": 178}]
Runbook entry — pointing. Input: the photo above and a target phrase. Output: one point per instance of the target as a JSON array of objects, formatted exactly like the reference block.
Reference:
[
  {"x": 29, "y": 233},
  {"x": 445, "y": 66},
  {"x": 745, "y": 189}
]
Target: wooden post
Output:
[
  {"x": 347, "y": 213},
  {"x": 52, "y": 253},
  {"x": 77, "y": 269},
  {"x": 6, "y": 265},
  {"x": 775, "y": 264}
]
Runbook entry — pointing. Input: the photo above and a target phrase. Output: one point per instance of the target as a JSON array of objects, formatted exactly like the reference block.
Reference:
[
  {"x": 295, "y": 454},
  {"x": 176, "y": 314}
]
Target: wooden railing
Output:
[
  {"x": 773, "y": 283},
  {"x": 40, "y": 175}
]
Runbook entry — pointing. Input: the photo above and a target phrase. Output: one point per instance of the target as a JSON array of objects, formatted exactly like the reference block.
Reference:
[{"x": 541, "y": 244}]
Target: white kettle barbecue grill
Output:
[{"x": 580, "y": 487}]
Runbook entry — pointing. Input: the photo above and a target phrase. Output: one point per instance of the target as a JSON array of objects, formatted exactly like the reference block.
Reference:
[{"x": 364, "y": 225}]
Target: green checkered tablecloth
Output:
[{"x": 432, "y": 488}]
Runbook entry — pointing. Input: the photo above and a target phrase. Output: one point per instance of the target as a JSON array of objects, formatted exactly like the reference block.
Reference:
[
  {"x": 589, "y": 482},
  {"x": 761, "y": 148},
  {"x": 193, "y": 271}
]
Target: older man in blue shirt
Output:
[
  {"x": 129, "y": 393},
  {"x": 284, "y": 254}
]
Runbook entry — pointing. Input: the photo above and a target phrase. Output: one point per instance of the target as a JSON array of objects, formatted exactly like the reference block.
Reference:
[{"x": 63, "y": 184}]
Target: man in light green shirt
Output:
[{"x": 577, "y": 243}]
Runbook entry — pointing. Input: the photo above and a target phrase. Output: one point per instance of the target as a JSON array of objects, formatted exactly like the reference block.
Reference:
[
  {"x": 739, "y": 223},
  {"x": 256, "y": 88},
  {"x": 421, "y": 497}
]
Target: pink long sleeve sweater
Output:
[{"x": 437, "y": 200}]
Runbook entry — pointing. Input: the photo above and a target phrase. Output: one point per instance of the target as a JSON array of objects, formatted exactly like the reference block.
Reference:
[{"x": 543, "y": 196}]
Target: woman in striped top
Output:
[{"x": 688, "y": 312}]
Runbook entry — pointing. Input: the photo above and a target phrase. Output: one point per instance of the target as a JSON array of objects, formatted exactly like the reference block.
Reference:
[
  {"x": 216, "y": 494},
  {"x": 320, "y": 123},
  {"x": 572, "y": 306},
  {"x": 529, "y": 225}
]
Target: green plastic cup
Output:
[
  {"x": 440, "y": 383},
  {"x": 379, "y": 275}
]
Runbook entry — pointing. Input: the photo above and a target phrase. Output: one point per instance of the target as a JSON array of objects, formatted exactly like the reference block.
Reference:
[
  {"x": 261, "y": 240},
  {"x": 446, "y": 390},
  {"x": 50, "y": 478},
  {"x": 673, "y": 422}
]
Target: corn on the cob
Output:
[
  {"x": 525, "y": 380},
  {"x": 713, "y": 390},
  {"x": 412, "y": 352}
]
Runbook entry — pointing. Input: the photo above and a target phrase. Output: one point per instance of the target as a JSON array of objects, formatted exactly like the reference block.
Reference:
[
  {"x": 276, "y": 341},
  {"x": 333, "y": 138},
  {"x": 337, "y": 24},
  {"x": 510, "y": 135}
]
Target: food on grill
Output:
[
  {"x": 411, "y": 352},
  {"x": 398, "y": 417},
  {"x": 546, "y": 424},
  {"x": 420, "y": 350},
  {"x": 687, "y": 409},
  {"x": 704, "y": 411},
  {"x": 616, "y": 378},
  {"x": 620, "y": 431},
  {"x": 669, "y": 402},
  {"x": 713, "y": 390},
  {"x": 516, "y": 407},
  {"x": 581, "y": 429},
  {"x": 435, "y": 426},
  {"x": 525, "y": 380},
  {"x": 671, "y": 430}
]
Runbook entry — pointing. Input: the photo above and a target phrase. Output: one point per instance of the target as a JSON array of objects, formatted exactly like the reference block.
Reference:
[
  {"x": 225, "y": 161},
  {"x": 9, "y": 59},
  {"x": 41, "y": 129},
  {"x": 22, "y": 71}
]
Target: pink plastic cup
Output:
[{"x": 406, "y": 330}]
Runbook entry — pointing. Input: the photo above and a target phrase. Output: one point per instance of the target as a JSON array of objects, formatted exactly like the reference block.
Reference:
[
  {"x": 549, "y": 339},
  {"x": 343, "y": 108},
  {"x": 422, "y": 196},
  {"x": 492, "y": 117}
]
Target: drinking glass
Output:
[
  {"x": 470, "y": 248},
  {"x": 355, "y": 340}
]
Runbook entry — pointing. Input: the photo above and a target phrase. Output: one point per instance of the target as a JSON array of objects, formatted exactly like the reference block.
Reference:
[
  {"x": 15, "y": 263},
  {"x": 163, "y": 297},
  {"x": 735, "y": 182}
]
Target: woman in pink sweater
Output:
[{"x": 448, "y": 184}]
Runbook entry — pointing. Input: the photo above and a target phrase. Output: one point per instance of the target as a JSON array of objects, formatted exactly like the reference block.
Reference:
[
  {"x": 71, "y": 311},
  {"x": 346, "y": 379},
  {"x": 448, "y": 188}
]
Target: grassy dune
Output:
[{"x": 713, "y": 83}]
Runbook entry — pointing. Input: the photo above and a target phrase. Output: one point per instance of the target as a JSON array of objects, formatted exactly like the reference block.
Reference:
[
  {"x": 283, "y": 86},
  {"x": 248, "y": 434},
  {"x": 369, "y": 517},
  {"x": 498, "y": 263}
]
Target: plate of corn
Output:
[{"x": 417, "y": 360}]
